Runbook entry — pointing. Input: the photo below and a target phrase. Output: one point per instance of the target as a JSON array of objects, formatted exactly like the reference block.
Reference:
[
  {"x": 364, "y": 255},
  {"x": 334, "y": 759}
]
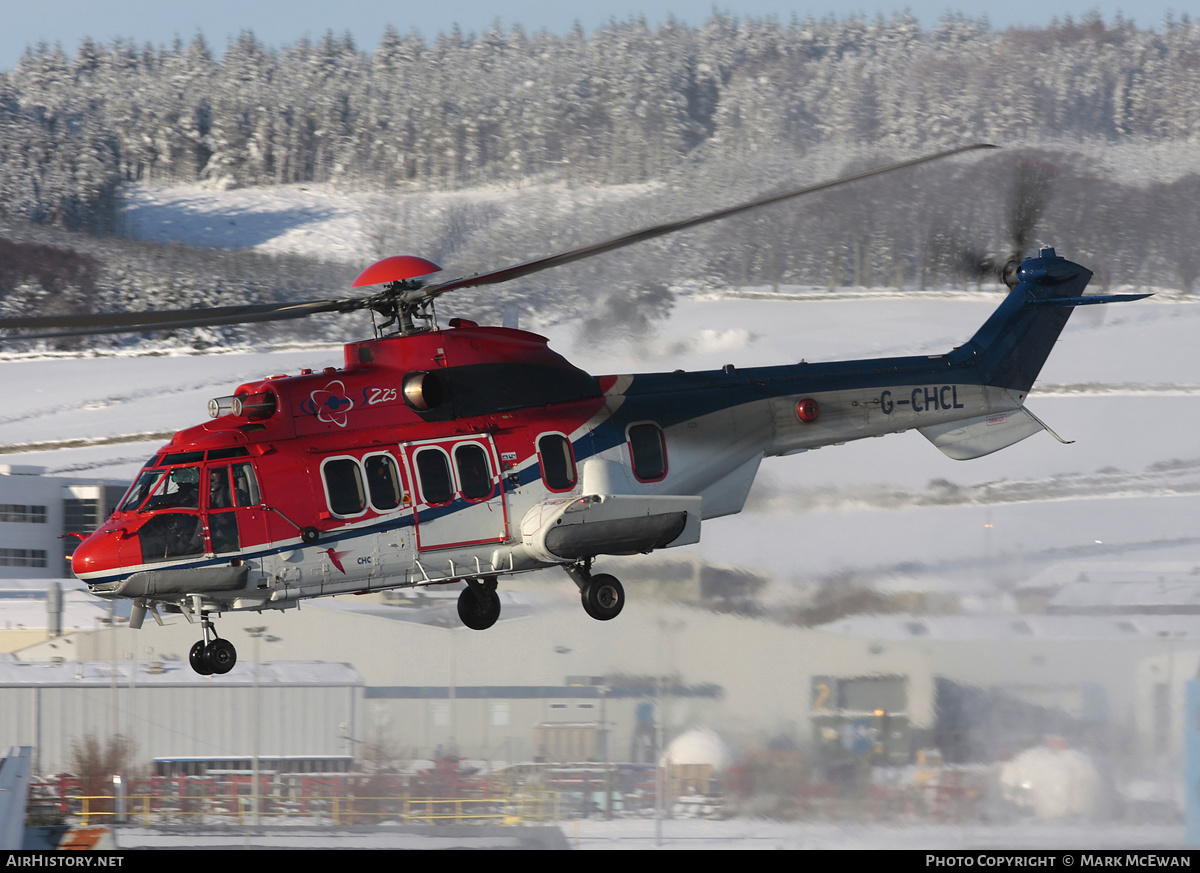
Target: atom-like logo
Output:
[{"x": 329, "y": 404}]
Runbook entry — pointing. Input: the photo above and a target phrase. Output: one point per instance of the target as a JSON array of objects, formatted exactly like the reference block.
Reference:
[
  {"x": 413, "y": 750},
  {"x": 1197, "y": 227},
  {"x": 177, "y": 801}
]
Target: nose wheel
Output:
[{"x": 215, "y": 655}]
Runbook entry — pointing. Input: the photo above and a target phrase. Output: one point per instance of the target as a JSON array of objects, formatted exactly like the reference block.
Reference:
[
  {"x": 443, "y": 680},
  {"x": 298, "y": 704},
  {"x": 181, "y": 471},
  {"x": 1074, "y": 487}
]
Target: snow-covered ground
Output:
[
  {"x": 687, "y": 834},
  {"x": 752, "y": 834}
]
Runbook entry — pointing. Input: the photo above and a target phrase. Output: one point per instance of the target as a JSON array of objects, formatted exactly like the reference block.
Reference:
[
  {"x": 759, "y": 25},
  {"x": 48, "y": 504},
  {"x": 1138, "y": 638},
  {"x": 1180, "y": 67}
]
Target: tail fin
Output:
[{"x": 1013, "y": 344}]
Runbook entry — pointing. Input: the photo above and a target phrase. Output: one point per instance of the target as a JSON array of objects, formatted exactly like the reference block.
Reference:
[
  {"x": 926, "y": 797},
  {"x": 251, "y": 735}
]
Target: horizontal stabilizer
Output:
[
  {"x": 976, "y": 437},
  {"x": 1088, "y": 301}
]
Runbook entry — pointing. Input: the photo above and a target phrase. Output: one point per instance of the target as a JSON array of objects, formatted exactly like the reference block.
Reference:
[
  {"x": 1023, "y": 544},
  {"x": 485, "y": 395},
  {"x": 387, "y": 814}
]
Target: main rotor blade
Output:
[
  {"x": 164, "y": 319},
  {"x": 516, "y": 271}
]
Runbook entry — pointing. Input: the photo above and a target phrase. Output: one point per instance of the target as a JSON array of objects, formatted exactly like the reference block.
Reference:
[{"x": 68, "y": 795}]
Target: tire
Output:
[
  {"x": 221, "y": 656},
  {"x": 478, "y": 613},
  {"x": 603, "y": 598},
  {"x": 198, "y": 660},
  {"x": 310, "y": 536}
]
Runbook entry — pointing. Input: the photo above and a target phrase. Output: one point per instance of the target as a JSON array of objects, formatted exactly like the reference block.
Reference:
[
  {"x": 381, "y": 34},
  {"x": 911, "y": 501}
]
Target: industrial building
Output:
[
  {"x": 301, "y": 711},
  {"x": 40, "y": 513},
  {"x": 547, "y": 682}
]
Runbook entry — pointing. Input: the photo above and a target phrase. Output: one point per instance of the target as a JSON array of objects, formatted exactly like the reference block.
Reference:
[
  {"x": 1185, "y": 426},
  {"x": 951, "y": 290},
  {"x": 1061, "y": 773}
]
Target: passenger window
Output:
[
  {"x": 344, "y": 485},
  {"x": 558, "y": 462},
  {"x": 383, "y": 481},
  {"x": 649, "y": 452},
  {"x": 474, "y": 472},
  {"x": 433, "y": 470}
]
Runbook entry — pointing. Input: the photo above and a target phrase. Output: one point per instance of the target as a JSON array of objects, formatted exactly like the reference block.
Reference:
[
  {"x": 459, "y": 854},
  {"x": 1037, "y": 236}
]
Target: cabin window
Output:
[
  {"x": 383, "y": 480},
  {"x": 433, "y": 470},
  {"x": 648, "y": 450},
  {"x": 344, "y": 486},
  {"x": 558, "y": 462},
  {"x": 245, "y": 485},
  {"x": 474, "y": 472}
]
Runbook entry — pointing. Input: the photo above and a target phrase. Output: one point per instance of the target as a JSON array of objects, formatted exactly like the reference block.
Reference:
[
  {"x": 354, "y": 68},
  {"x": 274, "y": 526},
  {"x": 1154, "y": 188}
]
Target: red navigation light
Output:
[{"x": 807, "y": 410}]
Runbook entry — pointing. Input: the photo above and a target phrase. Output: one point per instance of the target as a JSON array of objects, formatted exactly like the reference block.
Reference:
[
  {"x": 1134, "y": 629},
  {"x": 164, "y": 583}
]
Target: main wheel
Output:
[
  {"x": 603, "y": 597},
  {"x": 478, "y": 611},
  {"x": 221, "y": 656},
  {"x": 198, "y": 660}
]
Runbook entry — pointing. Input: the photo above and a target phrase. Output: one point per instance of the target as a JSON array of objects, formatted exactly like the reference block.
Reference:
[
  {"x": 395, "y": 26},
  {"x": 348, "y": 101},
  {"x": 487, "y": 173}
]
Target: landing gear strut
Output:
[
  {"x": 479, "y": 604},
  {"x": 213, "y": 655},
  {"x": 602, "y": 595}
]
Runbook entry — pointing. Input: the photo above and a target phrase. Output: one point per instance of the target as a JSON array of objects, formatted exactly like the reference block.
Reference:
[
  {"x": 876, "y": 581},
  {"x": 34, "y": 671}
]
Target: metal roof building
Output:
[{"x": 167, "y": 711}]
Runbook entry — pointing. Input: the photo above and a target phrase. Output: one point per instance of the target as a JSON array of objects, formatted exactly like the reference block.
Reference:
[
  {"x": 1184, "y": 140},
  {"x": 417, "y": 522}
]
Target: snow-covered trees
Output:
[
  {"x": 712, "y": 114},
  {"x": 625, "y": 103}
]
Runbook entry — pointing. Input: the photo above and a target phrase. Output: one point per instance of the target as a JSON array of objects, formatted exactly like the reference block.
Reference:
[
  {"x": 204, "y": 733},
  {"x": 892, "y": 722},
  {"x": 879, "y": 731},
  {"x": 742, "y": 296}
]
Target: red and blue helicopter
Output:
[{"x": 468, "y": 453}]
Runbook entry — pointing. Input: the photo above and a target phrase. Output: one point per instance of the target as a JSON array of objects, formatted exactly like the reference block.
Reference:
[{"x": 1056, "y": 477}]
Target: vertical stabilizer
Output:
[{"x": 1014, "y": 343}]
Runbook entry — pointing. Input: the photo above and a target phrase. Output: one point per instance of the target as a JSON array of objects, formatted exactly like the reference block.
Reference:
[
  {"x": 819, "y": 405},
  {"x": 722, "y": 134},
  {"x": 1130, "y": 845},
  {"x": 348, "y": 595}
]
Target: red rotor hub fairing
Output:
[{"x": 395, "y": 269}]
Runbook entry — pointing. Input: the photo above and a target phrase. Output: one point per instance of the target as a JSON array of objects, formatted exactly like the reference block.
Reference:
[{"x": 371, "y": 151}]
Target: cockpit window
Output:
[
  {"x": 171, "y": 535},
  {"x": 245, "y": 485},
  {"x": 183, "y": 458},
  {"x": 178, "y": 489},
  {"x": 219, "y": 495},
  {"x": 166, "y": 489},
  {"x": 140, "y": 489}
]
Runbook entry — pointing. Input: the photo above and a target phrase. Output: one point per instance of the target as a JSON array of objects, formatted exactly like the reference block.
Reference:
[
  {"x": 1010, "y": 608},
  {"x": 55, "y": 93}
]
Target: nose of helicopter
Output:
[{"x": 95, "y": 554}]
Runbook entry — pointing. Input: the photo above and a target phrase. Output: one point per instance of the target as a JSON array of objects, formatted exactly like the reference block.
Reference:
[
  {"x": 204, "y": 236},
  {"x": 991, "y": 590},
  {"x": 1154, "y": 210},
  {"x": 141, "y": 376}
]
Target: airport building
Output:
[
  {"x": 1108, "y": 655},
  {"x": 40, "y": 513},
  {"x": 546, "y": 683}
]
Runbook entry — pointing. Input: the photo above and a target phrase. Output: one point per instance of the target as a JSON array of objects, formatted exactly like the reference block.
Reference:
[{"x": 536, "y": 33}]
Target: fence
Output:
[{"x": 333, "y": 809}]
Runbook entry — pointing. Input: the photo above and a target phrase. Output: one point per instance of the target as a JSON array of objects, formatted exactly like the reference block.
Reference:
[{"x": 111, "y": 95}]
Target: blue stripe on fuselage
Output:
[
  {"x": 672, "y": 398},
  {"x": 328, "y": 540}
]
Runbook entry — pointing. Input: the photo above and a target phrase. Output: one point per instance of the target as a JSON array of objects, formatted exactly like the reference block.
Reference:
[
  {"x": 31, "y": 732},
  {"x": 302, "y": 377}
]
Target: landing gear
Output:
[
  {"x": 198, "y": 661},
  {"x": 214, "y": 655},
  {"x": 602, "y": 595},
  {"x": 479, "y": 604},
  {"x": 221, "y": 655}
]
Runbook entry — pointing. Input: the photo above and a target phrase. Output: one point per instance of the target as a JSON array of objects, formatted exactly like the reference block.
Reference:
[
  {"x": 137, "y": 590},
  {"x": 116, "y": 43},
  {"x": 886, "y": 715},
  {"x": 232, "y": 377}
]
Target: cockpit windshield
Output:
[{"x": 177, "y": 488}]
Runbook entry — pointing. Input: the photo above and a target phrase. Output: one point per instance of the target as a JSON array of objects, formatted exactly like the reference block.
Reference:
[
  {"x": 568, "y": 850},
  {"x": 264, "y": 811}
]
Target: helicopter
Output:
[{"x": 464, "y": 454}]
